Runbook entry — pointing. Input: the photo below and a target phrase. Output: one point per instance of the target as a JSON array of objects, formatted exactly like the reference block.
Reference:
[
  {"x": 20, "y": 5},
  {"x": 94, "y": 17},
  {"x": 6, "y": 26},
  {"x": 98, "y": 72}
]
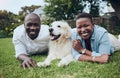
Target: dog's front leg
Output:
[
  {"x": 65, "y": 61},
  {"x": 47, "y": 61}
]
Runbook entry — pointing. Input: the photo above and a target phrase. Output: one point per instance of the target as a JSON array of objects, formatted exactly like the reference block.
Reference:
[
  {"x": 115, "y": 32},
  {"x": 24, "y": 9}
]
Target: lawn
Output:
[{"x": 9, "y": 66}]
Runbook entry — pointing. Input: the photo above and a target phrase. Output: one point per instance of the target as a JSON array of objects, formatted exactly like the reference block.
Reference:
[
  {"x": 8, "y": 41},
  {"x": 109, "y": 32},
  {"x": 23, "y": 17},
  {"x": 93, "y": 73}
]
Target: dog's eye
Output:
[{"x": 59, "y": 26}]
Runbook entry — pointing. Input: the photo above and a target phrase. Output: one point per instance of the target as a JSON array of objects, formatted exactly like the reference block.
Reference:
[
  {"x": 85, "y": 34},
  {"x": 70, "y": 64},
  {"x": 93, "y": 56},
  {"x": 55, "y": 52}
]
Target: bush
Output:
[{"x": 2, "y": 34}]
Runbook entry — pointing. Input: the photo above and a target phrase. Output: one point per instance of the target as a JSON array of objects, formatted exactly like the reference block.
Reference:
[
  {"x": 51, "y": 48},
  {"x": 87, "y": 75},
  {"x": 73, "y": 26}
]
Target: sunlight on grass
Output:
[{"x": 9, "y": 66}]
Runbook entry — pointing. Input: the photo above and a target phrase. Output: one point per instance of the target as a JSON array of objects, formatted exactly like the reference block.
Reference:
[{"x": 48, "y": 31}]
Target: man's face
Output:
[
  {"x": 84, "y": 27},
  {"x": 32, "y": 26}
]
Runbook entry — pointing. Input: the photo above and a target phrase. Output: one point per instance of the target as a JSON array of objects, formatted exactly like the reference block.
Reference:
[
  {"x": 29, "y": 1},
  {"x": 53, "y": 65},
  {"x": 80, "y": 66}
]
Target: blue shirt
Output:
[{"x": 100, "y": 43}]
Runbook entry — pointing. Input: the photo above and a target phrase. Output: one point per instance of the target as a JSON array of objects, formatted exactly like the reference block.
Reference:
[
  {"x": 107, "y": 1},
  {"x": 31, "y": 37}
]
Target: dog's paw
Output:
[
  {"x": 42, "y": 64},
  {"x": 62, "y": 64}
]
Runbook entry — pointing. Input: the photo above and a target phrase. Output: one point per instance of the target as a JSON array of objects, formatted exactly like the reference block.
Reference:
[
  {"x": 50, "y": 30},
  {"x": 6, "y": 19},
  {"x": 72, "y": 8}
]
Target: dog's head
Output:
[{"x": 59, "y": 29}]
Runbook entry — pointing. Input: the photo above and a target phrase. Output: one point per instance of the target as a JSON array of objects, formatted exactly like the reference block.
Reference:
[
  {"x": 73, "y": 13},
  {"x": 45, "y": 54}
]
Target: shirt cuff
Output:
[
  {"x": 16, "y": 55},
  {"x": 95, "y": 54},
  {"x": 77, "y": 57}
]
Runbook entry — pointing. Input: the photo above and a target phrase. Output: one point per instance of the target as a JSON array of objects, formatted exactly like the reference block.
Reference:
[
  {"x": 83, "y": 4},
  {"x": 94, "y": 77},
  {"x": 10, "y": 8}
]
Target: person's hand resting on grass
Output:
[{"x": 27, "y": 62}]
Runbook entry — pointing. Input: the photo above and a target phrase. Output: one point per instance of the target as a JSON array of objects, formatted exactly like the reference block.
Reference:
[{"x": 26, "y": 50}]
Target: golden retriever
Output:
[{"x": 59, "y": 45}]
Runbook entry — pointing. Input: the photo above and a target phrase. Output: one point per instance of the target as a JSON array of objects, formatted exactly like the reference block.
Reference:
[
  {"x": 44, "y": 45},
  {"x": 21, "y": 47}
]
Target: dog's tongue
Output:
[{"x": 52, "y": 37}]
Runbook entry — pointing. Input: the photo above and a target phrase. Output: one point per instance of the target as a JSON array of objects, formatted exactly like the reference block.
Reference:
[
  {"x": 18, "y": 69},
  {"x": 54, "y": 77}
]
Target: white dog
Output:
[
  {"x": 115, "y": 42},
  {"x": 59, "y": 45}
]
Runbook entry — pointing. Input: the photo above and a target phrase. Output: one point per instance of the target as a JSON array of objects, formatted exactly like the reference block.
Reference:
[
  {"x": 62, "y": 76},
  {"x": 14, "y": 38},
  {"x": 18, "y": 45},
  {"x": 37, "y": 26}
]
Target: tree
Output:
[
  {"x": 25, "y": 10},
  {"x": 8, "y": 22},
  {"x": 116, "y": 5},
  {"x": 63, "y": 9},
  {"x": 94, "y": 6},
  {"x": 67, "y": 9}
]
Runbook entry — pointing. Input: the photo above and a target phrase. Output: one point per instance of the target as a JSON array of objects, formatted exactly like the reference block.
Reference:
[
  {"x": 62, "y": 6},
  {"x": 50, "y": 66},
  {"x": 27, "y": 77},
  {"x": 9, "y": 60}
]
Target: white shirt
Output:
[{"x": 24, "y": 45}]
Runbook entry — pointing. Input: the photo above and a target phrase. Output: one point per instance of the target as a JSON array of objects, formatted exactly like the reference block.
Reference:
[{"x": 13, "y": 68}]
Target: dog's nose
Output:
[{"x": 51, "y": 29}]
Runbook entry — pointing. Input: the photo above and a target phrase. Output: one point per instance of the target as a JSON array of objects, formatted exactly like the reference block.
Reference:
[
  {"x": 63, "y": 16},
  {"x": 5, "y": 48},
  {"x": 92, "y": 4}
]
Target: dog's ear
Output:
[{"x": 67, "y": 32}]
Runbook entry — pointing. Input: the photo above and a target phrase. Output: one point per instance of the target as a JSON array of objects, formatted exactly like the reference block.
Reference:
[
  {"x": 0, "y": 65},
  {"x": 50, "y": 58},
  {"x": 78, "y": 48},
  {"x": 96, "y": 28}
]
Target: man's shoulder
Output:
[
  {"x": 44, "y": 26},
  {"x": 19, "y": 31},
  {"x": 100, "y": 29},
  {"x": 19, "y": 28}
]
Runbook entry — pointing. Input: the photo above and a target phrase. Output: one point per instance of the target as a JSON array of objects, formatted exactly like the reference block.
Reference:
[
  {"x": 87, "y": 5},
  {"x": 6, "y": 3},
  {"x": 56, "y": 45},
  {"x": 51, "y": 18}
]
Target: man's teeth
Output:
[
  {"x": 84, "y": 33},
  {"x": 32, "y": 32}
]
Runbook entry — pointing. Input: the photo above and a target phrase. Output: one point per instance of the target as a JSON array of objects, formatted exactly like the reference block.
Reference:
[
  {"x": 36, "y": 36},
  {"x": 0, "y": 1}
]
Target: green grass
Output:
[{"x": 9, "y": 66}]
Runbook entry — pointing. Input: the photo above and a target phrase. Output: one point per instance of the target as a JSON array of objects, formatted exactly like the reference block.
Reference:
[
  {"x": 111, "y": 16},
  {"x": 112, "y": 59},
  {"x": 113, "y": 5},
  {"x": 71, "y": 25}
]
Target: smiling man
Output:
[
  {"x": 90, "y": 42},
  {"x": 30, "y": 38}
]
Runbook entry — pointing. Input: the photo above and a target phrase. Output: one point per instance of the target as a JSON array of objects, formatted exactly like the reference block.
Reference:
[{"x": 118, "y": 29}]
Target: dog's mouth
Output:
[{"x": 54, "y": 37}]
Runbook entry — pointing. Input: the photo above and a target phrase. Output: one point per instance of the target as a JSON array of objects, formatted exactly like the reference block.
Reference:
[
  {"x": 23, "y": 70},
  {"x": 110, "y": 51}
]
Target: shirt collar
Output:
[{"x": 93, "y": 34}]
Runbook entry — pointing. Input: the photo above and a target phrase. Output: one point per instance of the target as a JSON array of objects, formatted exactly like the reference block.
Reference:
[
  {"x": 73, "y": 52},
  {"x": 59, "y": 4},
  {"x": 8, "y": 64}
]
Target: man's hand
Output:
[
  {"x": 77, "y": 45},
  {"x": 27, "y": 62}
]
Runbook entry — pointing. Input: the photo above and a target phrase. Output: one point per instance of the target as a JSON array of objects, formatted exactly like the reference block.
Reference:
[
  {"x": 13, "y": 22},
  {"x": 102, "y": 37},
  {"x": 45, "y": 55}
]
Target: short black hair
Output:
[
  {"x": 29, "y": 15},
  {"x": 84, "y": 15}
]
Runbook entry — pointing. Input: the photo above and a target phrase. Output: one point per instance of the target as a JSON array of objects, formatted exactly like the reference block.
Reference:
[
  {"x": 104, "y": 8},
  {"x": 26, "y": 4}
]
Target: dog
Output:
[
  {"x": 59, "y": 45},
  {"x": 114, "y": 41}
]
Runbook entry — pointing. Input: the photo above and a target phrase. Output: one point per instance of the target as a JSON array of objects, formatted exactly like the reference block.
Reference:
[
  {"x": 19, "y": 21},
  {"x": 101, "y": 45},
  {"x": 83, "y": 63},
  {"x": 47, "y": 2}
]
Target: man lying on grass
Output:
[
  {"x": 91, "y": 42},
  {"x": 30, "y": 38}
]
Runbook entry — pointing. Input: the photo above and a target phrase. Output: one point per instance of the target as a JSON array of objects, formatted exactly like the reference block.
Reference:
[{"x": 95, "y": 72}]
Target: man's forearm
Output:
[
  {"x": 100, "y": 59},
  {"x": 85, "y": 58}
]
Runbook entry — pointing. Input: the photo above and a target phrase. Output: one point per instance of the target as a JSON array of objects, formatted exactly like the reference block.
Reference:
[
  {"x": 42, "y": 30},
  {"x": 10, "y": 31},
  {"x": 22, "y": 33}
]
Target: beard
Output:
[{"x": 33, "y": 34}]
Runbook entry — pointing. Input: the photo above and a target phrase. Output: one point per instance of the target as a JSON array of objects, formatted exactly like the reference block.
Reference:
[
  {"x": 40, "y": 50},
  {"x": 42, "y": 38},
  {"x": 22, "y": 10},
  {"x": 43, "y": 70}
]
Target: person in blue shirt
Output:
[{"x": 90, "y": 42}]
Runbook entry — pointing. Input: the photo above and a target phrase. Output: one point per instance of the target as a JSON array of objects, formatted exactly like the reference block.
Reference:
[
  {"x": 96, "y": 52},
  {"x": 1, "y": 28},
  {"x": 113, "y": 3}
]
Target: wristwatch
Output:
[{"x": 83, "y": 51}]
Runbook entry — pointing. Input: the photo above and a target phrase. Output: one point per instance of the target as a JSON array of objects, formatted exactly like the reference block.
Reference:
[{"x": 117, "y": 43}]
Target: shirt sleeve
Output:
[
  {"x": 18, "y": 45},
  {"x": 95, "y": 54},
  {"x": 104, "y": 44},
  {"x": 76, "y": 55}
]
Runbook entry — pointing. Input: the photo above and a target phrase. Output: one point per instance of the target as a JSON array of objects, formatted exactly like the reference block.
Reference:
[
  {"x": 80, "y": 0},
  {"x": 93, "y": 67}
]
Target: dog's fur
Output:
[{"x": 59, "y": 45}]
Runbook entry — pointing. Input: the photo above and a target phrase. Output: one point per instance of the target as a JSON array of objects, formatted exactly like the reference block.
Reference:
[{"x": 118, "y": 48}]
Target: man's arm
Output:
[
  {"x": 88, "y": 56},
  {"x": 100, "y": 59},
  {"x": 21, "y": 54}
]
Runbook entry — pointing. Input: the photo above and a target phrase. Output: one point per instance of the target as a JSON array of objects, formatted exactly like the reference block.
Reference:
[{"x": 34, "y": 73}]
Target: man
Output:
[
  {"x": 90, "y": 42},
  {"x": 30, "y": 38}
]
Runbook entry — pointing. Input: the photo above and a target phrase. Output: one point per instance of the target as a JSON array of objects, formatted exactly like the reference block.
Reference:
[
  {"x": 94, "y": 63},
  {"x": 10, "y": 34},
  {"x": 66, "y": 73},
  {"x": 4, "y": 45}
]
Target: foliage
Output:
[
  {"x": 8, "y": 22},
  {"x": 47, "y": 20},
  {"x": 25, "y": 10},
  {"x": 63, "y": 9},
  {"x": 68, "y": 9},
  {"x": 94, "y": 7},
  {"x": 112, "y": 24},
  {"x": 10, "y": 67}
]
